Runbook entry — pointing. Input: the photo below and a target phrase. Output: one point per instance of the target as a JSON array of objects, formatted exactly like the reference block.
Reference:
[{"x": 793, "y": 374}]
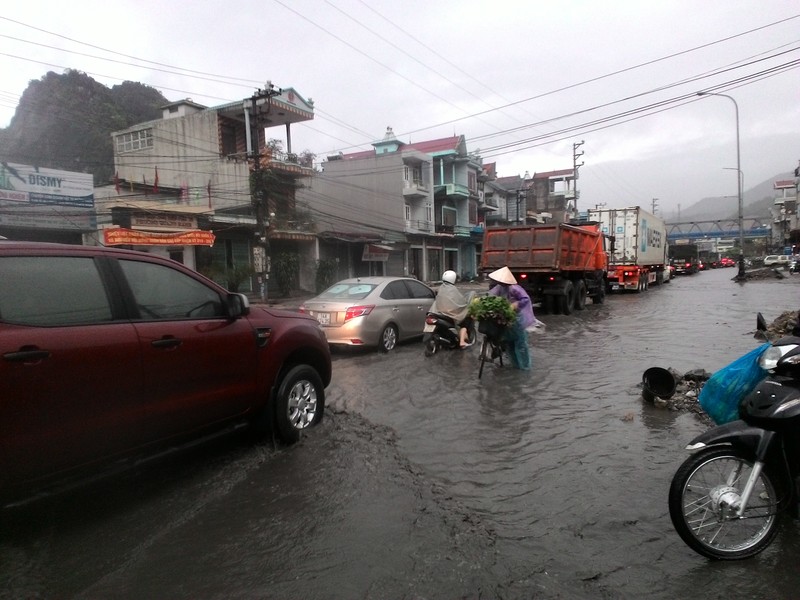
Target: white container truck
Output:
[{"x": 638, "y": 255}]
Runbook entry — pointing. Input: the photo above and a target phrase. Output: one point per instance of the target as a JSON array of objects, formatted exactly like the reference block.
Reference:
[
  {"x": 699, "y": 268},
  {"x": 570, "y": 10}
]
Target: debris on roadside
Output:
[
  {"x": 780, "y": 327},
  {"x": 765, "y": 273},
  {"x": 689, "y": 384}
]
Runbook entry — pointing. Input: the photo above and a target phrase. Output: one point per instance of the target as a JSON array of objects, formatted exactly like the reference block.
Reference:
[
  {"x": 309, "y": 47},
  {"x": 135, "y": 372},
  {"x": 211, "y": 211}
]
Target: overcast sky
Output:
[{"x": 523, "y": 80}]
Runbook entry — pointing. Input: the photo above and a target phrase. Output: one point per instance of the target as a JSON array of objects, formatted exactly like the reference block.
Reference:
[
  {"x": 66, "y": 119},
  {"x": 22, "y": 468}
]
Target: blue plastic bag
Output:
[{"x": 724, "y": 390}]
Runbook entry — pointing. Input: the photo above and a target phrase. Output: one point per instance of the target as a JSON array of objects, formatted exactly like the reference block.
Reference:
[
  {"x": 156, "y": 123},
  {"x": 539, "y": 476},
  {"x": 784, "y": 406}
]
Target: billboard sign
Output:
[{"x": 25, "y": 185}]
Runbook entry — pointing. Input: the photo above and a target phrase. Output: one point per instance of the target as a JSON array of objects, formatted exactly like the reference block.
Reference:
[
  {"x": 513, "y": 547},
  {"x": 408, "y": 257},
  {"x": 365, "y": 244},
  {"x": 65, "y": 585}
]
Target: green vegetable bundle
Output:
[{"x": 492, "y": 308}]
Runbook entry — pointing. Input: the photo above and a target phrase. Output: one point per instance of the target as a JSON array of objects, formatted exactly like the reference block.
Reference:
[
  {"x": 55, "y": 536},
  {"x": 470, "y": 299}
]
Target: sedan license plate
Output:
[
  {"x": 324, "y": 318},
  {"x": 614, "y": 287},
  {"x": 428, "y": 328}
]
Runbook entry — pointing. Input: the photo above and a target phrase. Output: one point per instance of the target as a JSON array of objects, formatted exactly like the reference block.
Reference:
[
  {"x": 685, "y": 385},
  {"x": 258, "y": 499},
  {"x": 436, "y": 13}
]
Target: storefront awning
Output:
[{"x": 376, "y": 252}]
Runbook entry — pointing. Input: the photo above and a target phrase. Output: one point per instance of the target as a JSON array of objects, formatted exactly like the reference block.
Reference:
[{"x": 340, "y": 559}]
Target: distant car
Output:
[
  {"x": 727, "y": 262},
  {"x": 109, "y": 354},
  {"x": 372, "y": 311},
  {"x": 777, "y": 260}
]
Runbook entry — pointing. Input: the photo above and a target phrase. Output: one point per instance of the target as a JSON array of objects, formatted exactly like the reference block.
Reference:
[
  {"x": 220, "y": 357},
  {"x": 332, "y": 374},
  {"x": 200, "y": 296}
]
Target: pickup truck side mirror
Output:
[{"x": 237, "y": 305}]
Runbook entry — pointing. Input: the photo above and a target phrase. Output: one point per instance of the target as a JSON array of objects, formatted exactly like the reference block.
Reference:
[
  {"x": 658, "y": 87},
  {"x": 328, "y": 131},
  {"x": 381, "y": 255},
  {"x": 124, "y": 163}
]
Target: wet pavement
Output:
[{"x": 425, "y": 482}]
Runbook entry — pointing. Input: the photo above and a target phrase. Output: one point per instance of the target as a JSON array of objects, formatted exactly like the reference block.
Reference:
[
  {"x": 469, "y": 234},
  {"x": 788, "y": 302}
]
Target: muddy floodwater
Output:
[{"x": 426, "y": 482}]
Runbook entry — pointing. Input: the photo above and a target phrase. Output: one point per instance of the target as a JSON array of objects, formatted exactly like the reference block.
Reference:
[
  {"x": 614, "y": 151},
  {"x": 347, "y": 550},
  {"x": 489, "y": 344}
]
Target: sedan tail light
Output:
[{"x": 357, "y": 311}]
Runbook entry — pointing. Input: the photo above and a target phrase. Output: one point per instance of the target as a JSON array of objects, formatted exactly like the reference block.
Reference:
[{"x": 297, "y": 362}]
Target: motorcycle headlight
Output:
[{"x": 769, "y": 359}]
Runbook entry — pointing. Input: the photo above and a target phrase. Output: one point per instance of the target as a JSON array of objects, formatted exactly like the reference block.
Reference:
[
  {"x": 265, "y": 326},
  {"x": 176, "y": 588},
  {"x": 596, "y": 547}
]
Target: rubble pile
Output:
[
  {"x": 689, "y": 384},
  {"x": 766, "y": 273},
  {"x": 783, "y": 325}
]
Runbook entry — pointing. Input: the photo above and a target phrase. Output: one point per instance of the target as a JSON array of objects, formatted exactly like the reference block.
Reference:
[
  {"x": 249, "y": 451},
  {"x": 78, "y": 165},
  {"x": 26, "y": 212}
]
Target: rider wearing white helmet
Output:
[{"x": 452, "y": 303}]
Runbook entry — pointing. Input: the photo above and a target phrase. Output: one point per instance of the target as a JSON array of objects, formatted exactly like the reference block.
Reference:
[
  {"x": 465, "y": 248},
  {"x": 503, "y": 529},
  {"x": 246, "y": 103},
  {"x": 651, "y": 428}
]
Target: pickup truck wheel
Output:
[
  {"x": 567, "y": 300},
  {"x": 580, "y": 295},
  {"x": 299, "y": 403}
]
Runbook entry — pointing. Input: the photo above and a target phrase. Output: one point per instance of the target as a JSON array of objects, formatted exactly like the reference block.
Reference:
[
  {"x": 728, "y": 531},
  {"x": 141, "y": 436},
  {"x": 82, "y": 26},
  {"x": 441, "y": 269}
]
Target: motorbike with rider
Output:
[{"x": 448, "y": 324}]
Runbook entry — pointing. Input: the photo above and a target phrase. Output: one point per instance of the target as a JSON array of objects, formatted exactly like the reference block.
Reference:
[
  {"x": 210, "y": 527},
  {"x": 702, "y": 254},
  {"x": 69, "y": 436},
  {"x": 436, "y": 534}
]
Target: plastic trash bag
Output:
[{"x": 727, "y": 387}]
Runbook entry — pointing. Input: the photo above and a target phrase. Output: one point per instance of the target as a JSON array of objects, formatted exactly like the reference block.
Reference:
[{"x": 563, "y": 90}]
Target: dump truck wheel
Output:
[{"x": 580, "y": 295}]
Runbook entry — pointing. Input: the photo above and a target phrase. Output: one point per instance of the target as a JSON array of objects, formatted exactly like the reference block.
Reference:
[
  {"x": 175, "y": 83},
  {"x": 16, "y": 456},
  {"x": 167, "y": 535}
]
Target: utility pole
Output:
[
  {"x": 575, "y": 166},
  {"x": 260, "y": 200}
]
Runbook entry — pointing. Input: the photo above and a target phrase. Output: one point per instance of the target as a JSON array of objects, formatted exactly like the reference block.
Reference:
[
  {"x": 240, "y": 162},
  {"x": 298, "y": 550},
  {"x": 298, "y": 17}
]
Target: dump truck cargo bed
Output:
[{"x": 546, "y": 248}]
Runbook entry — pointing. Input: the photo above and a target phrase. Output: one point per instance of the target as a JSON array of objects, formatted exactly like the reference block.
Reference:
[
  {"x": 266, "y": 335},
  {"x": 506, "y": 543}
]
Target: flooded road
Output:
[
  {"x": 567, "y": 463},
  {"x": 425, "y": 482}
]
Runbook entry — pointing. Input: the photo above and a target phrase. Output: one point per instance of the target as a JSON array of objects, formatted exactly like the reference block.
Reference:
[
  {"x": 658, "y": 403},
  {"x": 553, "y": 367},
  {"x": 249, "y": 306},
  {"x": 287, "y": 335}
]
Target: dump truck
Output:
[
  {"x": 638, "y": 254},
  {"x": 559, "y": 265}
]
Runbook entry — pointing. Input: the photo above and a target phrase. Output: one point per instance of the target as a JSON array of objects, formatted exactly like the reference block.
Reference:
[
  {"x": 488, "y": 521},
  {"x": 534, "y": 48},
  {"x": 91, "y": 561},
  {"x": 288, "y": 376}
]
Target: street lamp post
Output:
[{"x": 740, "y": 177}]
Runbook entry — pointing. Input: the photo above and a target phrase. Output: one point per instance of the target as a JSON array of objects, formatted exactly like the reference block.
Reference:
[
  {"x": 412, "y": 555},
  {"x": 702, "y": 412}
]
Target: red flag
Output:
[
  {"x": 116, "y": 182},
  {"x": 155, "y": 185}
]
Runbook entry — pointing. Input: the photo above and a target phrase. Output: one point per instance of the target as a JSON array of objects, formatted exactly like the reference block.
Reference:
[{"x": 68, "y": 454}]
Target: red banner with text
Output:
[{"x": 119, "y": 236}]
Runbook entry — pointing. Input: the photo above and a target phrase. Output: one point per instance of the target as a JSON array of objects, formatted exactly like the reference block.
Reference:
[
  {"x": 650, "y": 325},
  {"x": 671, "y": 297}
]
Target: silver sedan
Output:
[{"x": 372, "y": 311}]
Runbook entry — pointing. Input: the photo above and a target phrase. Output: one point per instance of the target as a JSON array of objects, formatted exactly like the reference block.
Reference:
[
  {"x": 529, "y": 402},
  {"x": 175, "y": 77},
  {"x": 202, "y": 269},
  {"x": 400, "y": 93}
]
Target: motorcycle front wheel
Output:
[{"x": 703, "y": 499}]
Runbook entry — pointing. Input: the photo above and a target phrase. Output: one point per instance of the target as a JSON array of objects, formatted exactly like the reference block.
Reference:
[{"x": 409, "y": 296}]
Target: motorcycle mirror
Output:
[{"x": 761, "y": 324}]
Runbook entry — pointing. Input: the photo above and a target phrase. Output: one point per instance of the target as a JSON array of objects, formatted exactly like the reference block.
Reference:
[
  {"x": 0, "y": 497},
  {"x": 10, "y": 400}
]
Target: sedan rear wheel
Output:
[{"x": 388, "y": 338}]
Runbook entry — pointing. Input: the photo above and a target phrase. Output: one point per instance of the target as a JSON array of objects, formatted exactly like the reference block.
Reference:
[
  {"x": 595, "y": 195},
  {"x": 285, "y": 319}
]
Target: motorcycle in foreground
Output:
[
  {"x": 726, "y": 499},
  {"x": 443, "y": 332}
]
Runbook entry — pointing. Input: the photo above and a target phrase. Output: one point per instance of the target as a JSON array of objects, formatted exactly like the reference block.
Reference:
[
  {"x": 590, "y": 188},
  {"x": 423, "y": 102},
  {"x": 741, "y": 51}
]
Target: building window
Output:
[
  {"x": 413, "y": 174},
  {"x": 472, "y": 181},
  {"x": 408, "y": 212},
  {"x": 227, "y": 136},
  {"x": 136, "y": 140},
  {"x": 428, "y": 213}
]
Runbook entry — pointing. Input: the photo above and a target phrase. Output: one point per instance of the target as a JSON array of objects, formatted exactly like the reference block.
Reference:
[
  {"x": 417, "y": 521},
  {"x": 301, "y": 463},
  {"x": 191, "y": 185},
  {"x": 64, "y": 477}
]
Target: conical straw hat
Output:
[{"x": 503, "y": 275}]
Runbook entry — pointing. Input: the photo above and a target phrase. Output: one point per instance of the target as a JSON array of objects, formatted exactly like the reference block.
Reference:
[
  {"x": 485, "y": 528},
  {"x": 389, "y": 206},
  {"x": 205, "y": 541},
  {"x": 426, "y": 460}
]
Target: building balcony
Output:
[
  {"x": 415, "y": 226},
  {"x": 452, "y": 189},
  {"x": 415, "y": 189},
  {"x": 456, "y": 230},
  {"x": 285, "y": 162}
]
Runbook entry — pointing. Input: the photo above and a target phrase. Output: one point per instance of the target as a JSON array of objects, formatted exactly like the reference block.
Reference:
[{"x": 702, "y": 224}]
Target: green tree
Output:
[
  {"x": 285, "y": 267},
  {"x": 326, "y": 274}
]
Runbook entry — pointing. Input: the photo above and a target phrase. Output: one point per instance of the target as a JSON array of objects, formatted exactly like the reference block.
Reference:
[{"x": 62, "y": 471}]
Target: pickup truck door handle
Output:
[
  {"x": 166, "y": 342},
  {"x": 30, "y": 355}
]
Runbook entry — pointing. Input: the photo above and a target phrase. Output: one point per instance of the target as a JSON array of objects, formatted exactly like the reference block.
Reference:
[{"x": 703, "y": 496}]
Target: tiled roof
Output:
[
  {"x": 560, "y": 173},
  {"x": 427, "y": 147}
]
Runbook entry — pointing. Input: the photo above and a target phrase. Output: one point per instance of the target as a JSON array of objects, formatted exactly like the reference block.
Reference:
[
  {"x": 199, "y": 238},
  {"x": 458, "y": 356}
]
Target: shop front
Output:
[{"x": 172, "y": 235}]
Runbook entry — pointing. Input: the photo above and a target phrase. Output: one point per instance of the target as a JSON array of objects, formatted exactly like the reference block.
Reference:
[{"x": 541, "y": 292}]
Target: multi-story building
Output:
[
  {"x": 183, "y": 187},
  {"x": 507, "y": 194},
  {"x": 400, "y": 208},
  {"x": 785, "y": 224},
  {"x": 552, "y": 193}
]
